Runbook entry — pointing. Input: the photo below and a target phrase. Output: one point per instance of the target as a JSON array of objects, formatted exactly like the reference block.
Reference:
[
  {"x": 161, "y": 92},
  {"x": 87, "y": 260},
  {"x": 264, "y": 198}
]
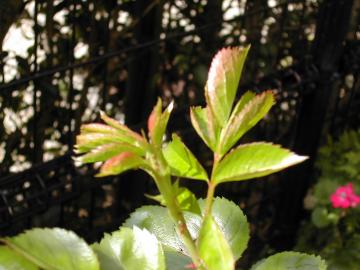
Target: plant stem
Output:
[
  {"x": 209, "y": 198},
  {"x": 211, "y": 187},
  {"x": 164, "y": 185},
  {"x": 163, "y": 182}
]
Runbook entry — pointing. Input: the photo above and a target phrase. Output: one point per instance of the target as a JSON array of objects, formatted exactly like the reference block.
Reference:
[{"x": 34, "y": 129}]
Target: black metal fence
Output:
[{"x": 307, "y": 51}]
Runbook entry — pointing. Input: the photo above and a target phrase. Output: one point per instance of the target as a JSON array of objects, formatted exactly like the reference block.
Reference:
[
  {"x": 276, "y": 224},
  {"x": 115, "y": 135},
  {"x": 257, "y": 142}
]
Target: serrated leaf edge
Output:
[
  {"x": 229, "y": 132},
  {"x": 294, "y": 159},
  {"x": 224, "y": 55},
  {"x": 35, "y": 260},
  {"x": 322, "y": 266},
  {"x": 190, "y": 155}
]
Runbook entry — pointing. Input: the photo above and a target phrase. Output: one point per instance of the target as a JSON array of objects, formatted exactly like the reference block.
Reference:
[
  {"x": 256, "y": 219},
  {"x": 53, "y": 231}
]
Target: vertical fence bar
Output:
[
  {"x": 302, "y": 20},
  {"x": 284, "y": 14},
  {"x": 105, "y": 72},
  {"x": 2, "y": 63},
  {"x": 354, "y": 91},
  {"x": 35, "y": 68},
  {"x": 70, "y": 97},
  {"x": 351, "y": 99}
]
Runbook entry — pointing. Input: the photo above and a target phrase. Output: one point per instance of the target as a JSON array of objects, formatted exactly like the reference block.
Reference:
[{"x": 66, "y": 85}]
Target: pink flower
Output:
[{"x": 345, "y": 197}]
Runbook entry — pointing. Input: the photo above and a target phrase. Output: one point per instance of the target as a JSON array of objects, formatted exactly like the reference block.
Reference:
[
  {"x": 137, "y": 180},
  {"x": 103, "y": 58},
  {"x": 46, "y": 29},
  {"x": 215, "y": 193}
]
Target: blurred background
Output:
[{"x": 61, "y": 61}]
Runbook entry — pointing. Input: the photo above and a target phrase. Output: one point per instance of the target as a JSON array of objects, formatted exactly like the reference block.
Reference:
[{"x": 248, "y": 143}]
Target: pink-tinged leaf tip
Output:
[
  {"x": 223, "y": 79},
  {"x": 218, "y": 65},
  {"x": 151, "y": 121},
  {"x": 190, "y": 266},
  {"x": 116, "y": 160},
  {"x": 154, "y": 117}
]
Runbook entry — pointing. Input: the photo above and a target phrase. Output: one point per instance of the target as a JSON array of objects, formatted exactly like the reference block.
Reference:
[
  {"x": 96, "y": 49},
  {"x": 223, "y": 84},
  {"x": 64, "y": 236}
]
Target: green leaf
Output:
[
  {"x": 205, "y": 126},
  {"x": 247, "y": 113},
  {"x": 96, "y": 134},
  {"x": 85, "y": 142},
  {"x": 232, "y": 222},
  {"x": 107, "y": 151},
  {"x": 186, "y": 199},
  {"x": 128, "y": 135},
  {"x": 10, "y": 260},
  {"x": 157, "y": 122},
  {"x": 213, "y": 248},
  {"x": 121, "y": 163},
  {"x": 291, "y": 260},
  {"x": 244, "y": 100},
  {"x": 130, "y": 249},
  {"x": 322, "y": 218},
  {"x": 254, "y": 160},
  {"x": 155, "y": 130},
  {"x": 176, "y": 260},
  {"x": 229, "y": 217},
  {"x": 223, "y": 80},
  {"x": 56, "y": 249},
  {"x": 324, "y": 188},
  {"x": 156, "y": 220},
  {"x": 98, "y": 128},
  {"x": 182, "y": 162}
]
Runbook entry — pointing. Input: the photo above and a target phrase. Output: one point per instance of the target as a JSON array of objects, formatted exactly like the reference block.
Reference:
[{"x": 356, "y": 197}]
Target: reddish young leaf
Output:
[
  {"x": 223, "y": 80},
  {"x": 106, "y": 151},
  {"x": 153, "y": 123},
  {"x": 121, "y": 163},
  {"x": 157, "y": 122}
]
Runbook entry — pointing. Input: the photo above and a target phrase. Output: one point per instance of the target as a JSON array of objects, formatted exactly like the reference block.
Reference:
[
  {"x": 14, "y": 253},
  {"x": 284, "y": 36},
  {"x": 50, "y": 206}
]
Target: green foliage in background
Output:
[{"x": 334, "y": 233}]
